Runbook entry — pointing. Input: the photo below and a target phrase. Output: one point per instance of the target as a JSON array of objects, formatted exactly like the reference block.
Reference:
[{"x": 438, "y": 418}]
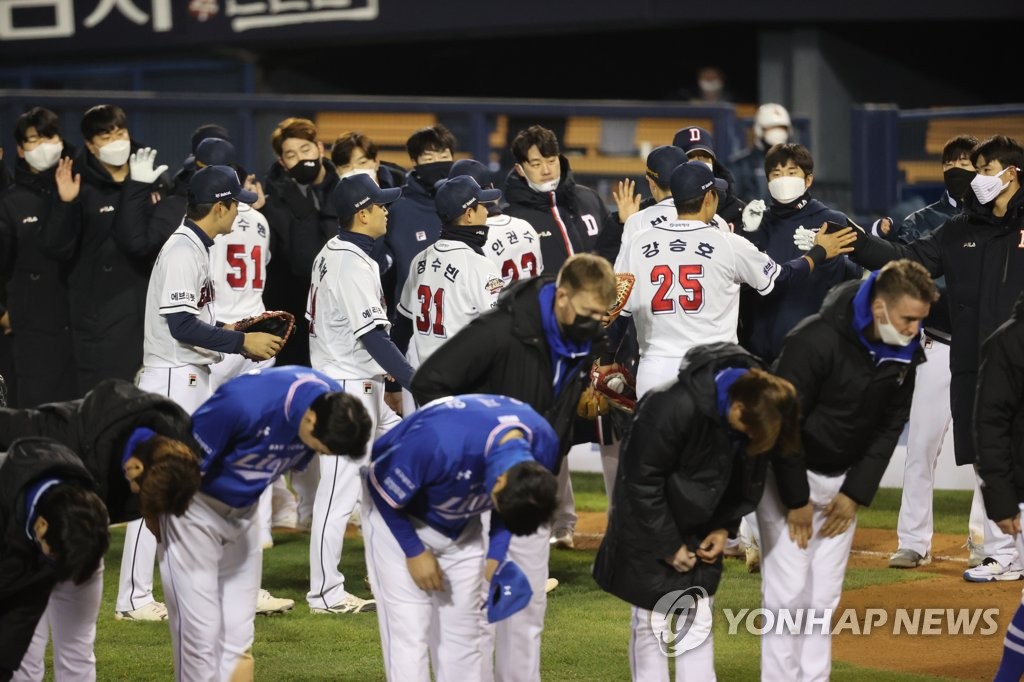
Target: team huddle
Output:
[{"x": 434, "y": 347}]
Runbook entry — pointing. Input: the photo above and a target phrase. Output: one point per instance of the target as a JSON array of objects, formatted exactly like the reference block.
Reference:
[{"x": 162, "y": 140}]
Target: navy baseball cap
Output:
[
  {"x": 474, "y": 169},
  {"x": 692, "y": 180},
  {"x": 510, "y": 592},
  {"x": 662, "y": 161},
  {"x": 359, "y": 191},
  {"x": 213, "y": 151},
  {"x": 206, "y": 131},
  {"x": 694, "y": 139},
  {"x": 457, "y": 194},
  {"x": 217, "y": 183}
]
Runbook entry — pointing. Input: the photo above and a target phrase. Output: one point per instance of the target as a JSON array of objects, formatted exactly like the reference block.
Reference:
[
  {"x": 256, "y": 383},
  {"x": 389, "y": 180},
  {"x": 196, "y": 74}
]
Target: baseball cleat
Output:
[
  {"x": 753, "y": 559},
  {"x": 152, "y": 612},
  {"x": 990, "y": 570},
  {"x": 975, "y": 553},
  {"x": 908, "y": 558},
  {"x": 267, "y": 603},
  {"x": 350, "y": 604},
  {"x": 562, "y": 539}
]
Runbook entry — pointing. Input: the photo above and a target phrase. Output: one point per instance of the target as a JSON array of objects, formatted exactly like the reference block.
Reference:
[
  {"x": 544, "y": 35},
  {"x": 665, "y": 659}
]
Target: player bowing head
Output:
[
  {"x": 336, "y": 423},
  {"x": 162, "y": 471},
  {"x": 765, "y": 409},
  {"x": 525, "y": 493}
]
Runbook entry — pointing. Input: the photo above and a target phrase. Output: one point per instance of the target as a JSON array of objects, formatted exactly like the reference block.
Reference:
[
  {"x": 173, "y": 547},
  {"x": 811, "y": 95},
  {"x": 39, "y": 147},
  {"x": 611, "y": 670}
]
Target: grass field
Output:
[{"x": 586, "y": 635}]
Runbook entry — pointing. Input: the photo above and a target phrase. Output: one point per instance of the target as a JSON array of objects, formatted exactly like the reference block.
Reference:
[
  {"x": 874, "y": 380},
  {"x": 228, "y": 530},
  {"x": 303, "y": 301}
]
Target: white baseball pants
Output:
[{"x": 649, "y": 631}]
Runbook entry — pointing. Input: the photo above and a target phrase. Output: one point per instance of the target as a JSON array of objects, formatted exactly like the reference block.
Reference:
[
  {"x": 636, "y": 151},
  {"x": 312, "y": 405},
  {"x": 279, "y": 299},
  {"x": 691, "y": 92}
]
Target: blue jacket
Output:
[
  {"x": 248, "y": 431},
  {"x": 413, "y": 225},
  {"x": 765, "y": 320}
]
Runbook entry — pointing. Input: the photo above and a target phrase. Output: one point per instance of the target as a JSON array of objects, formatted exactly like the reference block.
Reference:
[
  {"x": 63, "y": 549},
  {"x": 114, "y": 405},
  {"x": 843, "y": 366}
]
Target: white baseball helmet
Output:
[{"x": 769, "y": 116}]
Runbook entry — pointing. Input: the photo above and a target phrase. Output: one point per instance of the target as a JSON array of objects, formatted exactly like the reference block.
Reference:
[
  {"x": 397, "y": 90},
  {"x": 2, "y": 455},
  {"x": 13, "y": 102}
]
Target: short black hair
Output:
[
  {"x": 347, "y": 143},
  {"x": 102, "y": 118},
  {"x": 528, "y": 499},
  {"x": 435, "y": 138},
  {"x": 46, "y": 123},
  {"x": 77, "y": 530},
  {"x": 346, "y": 224},
  {"x": 1006, "y": 150},
  {"x": 342, "y": 423},
  {"x": 200, "y": 211},
  {"x": 208, "y": 130},
  {"x": 781, "y": 154},
  {"x": 690, "y": 206},
  {"x": 546, "y": 141},
  {"x": 958, "y": 147}
]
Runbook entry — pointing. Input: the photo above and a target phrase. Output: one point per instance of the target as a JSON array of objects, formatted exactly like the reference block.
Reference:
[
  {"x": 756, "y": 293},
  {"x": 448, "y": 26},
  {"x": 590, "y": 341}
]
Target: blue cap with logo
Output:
[
  {"x": 456, "y": 195},
  {"x": 694, "y": 139},
  {"x": 662, "y": 161},
  {"x": 359, "y": 191},
  {"x": 474, "y": 169},
  {"x": 510, "y": 592},
  {"x": 213, "y": 151},
  {"x": 692, "y": 180},
  {"x": 217, "y": 183}
]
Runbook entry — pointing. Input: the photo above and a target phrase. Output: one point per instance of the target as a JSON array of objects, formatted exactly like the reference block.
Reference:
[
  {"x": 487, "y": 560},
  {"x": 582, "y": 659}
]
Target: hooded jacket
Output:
[
  {"x": 852, "y": 407},
  {"x": 97, "y": 428},
  {"x": 568, "y": 220},
  {"x": 25, "y": 579},
  {"x": 37, "y": 292},
  {"x": 999, "y": 418},
  {"x": 683, "y": 473},
  {"x": 765, "y": 320},
  {"x": 504, "y": 352},
  {"x": 982, "y": 259}
]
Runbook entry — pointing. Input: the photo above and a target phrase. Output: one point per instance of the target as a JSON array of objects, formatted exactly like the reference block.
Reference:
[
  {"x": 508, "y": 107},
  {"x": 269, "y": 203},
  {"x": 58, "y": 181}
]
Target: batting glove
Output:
[
  {"x": 752, "y": 214},
  {"x": 140, "y": 165},
  {"x": 804, "y": 238}
]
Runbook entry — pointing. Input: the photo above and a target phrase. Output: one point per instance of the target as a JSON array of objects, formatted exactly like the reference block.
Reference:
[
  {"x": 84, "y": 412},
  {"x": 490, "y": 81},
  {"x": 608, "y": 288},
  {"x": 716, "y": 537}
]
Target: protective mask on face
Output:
[
  {"x": 44, "y": 156},
  {"x": 543, "y": 187},
  {"x": 774, "y": 136},
  {"x": 988, "y": 187},
  {"x": 582, "y": 329},
  {"x": 115, "y": 153},
  {"x": 787, "y": 189},
  {"x": 305, "y": 171},
  {"x": 710, "y": 84},
  {"x": 432, "y": 173},
  {"x": 890, "y": 335},
  {"x": 958, "y": 182}
]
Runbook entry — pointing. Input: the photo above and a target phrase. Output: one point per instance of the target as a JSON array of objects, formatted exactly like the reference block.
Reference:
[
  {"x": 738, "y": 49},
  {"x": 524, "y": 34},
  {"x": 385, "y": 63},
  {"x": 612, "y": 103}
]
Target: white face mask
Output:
[
  {"x": 787, "y": 189},
  {"x": 115, "y": 153},
  {"x": 774, "y": 136},
  {"x": 44, "y": 156},
  {"x": 710, "y": 84},
  {"x": 890, "y": 335},
  {"x": 549, "y": 186},
  {"x": 988, "y": 187}
]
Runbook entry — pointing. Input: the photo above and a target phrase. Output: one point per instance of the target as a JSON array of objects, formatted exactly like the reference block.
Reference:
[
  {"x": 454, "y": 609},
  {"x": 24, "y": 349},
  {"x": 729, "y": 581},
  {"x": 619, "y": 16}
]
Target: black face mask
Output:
[
  {"x": 305, "y": 171},
  {"x": 582, "y": 329},
  {"x": 958, "y": 182},
  {"x": 429, "y": 174}
]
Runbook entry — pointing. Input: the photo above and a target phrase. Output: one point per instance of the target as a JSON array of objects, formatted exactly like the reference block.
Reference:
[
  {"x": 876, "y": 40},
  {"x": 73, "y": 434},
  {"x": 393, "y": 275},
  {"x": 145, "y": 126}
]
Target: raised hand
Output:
[{"x": 68, "y": 185}]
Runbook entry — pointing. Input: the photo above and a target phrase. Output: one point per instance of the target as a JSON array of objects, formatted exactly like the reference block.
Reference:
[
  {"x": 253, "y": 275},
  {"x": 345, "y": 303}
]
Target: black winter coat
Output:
[
  {"x": 25, "y": 579},
  {"x": 37, "y": 293},
  {"x": 505, "y": 352},
  {"x": 852, "y": 409},
  {"x": 999, "y": 418},
  {"x": 982, "y": 259},
  {"x": 302, "y": 220},
  {"x": 413, "y": 225},
  {"x": 682, "y": 474},
  {"x": 97, "y": 428},
  {"x": 582, "y": 215}
]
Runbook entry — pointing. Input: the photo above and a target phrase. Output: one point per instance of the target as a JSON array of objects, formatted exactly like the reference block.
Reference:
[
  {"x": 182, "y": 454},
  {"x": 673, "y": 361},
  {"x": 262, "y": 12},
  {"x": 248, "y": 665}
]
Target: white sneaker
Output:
[
  {"x": 908, "y": 558},
  {"x": 266, "y": 603},
  {"x": 350, "y": 604},
  {"x": 562, "y": 539},
  {"x": 975, "y": 553},
  {"x": 551, "y": 584},
  {"x": 152, "y": 612},
  {"x": 989, "y": 570}
]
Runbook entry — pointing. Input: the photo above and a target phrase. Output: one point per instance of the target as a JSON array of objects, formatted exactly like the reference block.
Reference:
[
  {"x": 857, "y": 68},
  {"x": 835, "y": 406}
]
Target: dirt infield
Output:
[{"x": 925, "y": 604}]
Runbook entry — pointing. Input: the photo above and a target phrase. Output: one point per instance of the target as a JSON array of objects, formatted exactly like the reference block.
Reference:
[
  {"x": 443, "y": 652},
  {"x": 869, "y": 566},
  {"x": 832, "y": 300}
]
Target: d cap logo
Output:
[{"x": 674, "y": 620}]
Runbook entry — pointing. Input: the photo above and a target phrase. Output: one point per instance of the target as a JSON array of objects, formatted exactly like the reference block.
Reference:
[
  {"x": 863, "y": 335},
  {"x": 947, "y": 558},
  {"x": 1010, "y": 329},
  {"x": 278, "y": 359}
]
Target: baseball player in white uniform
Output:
[
  {"x": 688, "y": 276},
  {"x": 451, "y": 281},
  {"x": 348, "y": 341},
  {"x": 182, "y": 341}
]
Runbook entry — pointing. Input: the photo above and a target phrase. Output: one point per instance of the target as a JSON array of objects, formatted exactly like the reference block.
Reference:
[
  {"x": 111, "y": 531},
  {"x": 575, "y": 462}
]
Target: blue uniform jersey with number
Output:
[
  {"x": 431, "y": 466},
  {"x": 249, "y": 430}
]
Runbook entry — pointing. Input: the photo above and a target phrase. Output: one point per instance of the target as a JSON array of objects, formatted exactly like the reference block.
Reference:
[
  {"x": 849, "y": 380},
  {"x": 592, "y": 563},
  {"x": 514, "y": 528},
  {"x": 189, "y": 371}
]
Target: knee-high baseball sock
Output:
[{"x": 1012, "y": 666}]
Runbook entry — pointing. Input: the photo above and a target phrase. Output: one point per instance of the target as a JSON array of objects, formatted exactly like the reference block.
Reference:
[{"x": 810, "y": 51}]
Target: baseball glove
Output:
[
  {"x": 276, "y": 322},
  {"x": 615, "y": 383},
  {"x": 592, "y": 404},
  {"x": 624, "y": 282}
]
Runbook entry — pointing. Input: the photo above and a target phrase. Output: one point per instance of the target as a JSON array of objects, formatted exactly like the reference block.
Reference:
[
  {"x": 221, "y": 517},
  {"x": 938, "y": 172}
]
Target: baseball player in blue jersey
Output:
[
  {"x": 430, "y": 479},
  {"x": 252, "y": 430}
]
